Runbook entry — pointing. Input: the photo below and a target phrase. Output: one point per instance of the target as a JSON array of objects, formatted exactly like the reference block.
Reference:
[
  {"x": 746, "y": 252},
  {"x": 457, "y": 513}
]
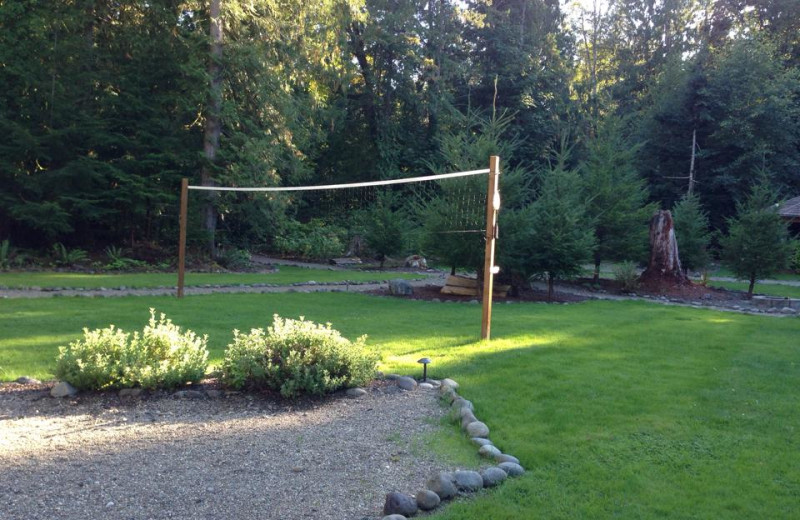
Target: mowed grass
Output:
[
  {"x": 285, "y": 275},
  {"x": 768, "y": 289},
  {"x": 617, "y": 409}
]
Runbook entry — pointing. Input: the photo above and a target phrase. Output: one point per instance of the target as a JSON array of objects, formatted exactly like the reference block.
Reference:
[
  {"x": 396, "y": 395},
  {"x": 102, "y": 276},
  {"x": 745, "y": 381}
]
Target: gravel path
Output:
[{"x": 239, "y": 456}]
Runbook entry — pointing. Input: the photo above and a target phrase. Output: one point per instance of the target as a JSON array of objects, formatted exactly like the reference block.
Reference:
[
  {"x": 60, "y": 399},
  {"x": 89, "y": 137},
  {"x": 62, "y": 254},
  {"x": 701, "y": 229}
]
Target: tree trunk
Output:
[
  {"x": 665, "y": 263},
  {"x": 596, "y": 276},
  {"x": 752, "y": 285},
  {"x": 213, "y": 126},
  {"x": 550, "y": 291}
]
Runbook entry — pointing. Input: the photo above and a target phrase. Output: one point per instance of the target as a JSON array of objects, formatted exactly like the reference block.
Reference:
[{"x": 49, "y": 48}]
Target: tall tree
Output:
[
  {"x": 616, "y": 197},
  {"x": 757, "y": 244}
]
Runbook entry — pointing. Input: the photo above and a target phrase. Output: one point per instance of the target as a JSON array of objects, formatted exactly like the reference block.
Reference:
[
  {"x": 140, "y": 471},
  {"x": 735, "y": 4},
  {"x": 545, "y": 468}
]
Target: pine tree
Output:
[
  {"x": 616, "y": 197},
  {"x": 758, "y": 243},
  {"x": 691, "y": 231},
  {"x": 556, "y": 236}
]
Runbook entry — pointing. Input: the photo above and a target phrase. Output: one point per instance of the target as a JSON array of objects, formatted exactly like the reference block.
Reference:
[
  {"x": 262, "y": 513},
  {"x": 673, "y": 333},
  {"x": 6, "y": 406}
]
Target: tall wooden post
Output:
[
  {"x": 182, "y": 239},
  {"x": 492, "y": 207}
]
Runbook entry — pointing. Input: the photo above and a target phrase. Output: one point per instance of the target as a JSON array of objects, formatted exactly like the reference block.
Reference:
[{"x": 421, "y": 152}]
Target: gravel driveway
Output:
[{"x": 237, "y": 456}]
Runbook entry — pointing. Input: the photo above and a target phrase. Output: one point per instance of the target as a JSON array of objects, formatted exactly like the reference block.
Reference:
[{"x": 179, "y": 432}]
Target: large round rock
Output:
[
  {"x": 493, "y": 476},
  {"x": 489, "y": 451},
  {"x": 400, "y": 504},
  {"x": 513, "y": 470},
  {"x": 427, "y": 500},
  {"x": 407, "y": 383},
  {"x": 477, "y": 429},
  {"x": 442, "y": 484},
  {"x": 468, "y": 481},
  {"x": 503, "y": 457},
  {"x": 467, "y": 419}
]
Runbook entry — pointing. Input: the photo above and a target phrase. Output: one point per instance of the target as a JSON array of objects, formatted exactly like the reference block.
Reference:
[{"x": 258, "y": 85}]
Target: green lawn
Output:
[
  {"x": 783, "y": 291},
  {"x": 618, "y": 409},
  {"x": 285, "y": 275}
]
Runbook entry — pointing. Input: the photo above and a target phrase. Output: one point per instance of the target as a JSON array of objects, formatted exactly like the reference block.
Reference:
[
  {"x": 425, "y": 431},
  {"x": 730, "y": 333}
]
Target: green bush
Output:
[
  {"x": 235, "y": 259},
  {"x": 627, "y": 276},
  {"x": 297, "y": 357},
  {"x": 160, "y": 357},
  {"x": 796, "y": 257},
  {"x": 313, "y": 240}
]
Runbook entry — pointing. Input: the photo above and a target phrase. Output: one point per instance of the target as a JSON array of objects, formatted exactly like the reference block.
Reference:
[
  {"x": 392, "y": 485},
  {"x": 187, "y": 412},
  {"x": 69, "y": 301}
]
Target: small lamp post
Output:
[{"x": 424, "y": 361}]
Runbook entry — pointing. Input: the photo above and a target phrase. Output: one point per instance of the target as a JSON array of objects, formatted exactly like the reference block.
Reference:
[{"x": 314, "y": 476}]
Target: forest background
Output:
[{"x": 105, "y": 105}]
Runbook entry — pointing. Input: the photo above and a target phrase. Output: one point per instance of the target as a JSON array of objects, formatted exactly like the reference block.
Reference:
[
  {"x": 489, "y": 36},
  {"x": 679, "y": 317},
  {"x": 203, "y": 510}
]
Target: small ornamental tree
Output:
[
  {"x": 691, "y": 231},
  {"x": 385, "y": 228},
  {"x": 556, "y": 236},
  {"x": 758, "y": 243}
]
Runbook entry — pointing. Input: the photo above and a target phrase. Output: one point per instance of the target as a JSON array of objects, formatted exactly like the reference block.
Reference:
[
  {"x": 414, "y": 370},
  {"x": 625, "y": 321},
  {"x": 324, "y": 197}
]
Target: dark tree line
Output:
[{"x": 105, "y": 105}]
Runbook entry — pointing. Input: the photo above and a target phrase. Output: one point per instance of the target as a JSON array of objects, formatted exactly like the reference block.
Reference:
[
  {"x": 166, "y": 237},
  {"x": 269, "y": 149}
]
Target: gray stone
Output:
[
  {"x": 435, "y": 382},
  {"x": 399, "y": 504},
  {"x": 489, "y": 451},
  {"x": 63, "y": 389},
  {"x": 493, "y": 476},
  {"x": 214, "y": 394},
  {"x": 449, "y": 382},
  {"x": 130, "y": 392},
  {"x": 460, "y": 403},
  {"x": 407, "y": 383},
  {"x": 393, "y": 377},
  {"x": 477, "y": 429},
  {"x": 478, "y": 441},
  {"x": 189, "y": 394},
  {"x": 400, "y": 287},
  {"x": 506, "y": 458},
  {"x": 25, "y": 380},
  {"x": 356, "y": 392},
  {"x": 468, "y": 481},
  {"x": 467, "y": 419},
  {"x": 449, "y": 396},
  {"x": 425, "y": 386},
  {"x": 394, "y": 517},
  {"x": 443, "y": 485},
  {"x": 513, "y": 470},
  {"x": 427, "y": 500}
]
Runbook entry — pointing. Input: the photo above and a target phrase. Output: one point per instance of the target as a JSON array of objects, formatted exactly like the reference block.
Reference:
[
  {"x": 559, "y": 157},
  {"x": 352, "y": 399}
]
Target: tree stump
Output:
[{"x": 665, "y": 263}]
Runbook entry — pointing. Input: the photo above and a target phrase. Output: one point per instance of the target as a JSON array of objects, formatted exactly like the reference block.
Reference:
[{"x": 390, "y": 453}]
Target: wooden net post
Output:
[
  {"x": 492, "y": 207},
  {"x": 182, "y": 239}
]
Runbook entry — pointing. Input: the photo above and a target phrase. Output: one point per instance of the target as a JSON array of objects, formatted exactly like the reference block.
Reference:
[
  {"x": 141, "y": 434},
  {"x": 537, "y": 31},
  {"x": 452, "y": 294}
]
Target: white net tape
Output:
[{"x": 347, "y": 186}]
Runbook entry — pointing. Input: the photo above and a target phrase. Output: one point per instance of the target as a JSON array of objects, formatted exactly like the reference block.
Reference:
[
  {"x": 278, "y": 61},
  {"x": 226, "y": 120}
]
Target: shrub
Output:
[
  {"x": 297, "y": 357},
  {"x": 235, "y": 259},
  {"x": 160, "y": 357},
  {"x": 627, "y": 276},
  {"x": 313, "y": 240},
  {"x": 796, "y": 257}
]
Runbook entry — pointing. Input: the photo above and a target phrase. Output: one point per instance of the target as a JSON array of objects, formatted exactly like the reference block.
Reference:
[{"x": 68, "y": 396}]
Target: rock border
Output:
[{"x": 447, "y": 485}]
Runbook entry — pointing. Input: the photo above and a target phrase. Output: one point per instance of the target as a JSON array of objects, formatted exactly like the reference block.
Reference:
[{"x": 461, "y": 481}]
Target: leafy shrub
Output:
[
  {"x": 235, "y": 259},
  {"x": 160, "y": 357},
  {"x": 796, "y": 257},
  {"x": 5, "y": 254},
  {"x": 627, "y": 276},
  {"x": 297, "y": 357},
  {"x": 66, "y": 257},
  {"x": 313, "y": 240}
]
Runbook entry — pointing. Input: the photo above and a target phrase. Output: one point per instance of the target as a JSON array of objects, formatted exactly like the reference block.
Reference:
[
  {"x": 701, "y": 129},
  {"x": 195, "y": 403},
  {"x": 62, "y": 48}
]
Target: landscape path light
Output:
[{"x": 424, "y": 362}]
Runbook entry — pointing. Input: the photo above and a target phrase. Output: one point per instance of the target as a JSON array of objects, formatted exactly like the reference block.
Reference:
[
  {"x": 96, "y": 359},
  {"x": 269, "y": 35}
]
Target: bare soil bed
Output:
[{"x": 233, "y": 455}]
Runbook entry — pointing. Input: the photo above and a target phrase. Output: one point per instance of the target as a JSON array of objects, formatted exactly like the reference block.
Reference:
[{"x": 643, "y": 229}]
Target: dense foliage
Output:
[
  {"x": 161, "y": 356},
  {"x": 106, "y": 105},
  {"x": 297, "y": 357}
]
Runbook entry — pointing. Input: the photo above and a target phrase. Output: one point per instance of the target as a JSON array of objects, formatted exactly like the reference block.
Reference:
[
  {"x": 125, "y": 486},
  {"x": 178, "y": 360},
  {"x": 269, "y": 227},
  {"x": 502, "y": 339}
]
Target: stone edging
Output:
[{"x": 448, "y": 485}]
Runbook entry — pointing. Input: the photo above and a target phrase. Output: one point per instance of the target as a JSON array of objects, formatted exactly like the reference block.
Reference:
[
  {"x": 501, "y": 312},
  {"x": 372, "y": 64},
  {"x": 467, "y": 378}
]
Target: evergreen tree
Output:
[
  {"x": 555, "y": 236},
  {"x": 385, "y": 226},
  {"x": 691, "y": 232},
  {"x": 616, "y": 198},
  {"x": 757, "y": 244}
]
